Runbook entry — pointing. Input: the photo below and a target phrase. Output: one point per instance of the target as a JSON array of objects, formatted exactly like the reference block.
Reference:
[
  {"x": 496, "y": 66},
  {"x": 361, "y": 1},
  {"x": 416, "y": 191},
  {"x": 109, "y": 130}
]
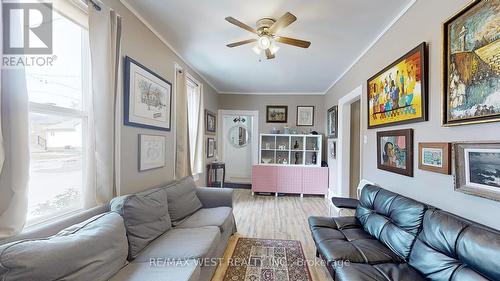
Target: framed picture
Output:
[
  {"x": 151, "y": 152},
  {"x": 398, "y": 93},
  {"x": 147, "y": 98},
  {"x": 305, "y": 115},
  {"x": 276, "y": 114},
  {"x": 471, "y": 69},
  {"x": 477, "y": 169},
  {"x": 332, "y": 149},
  {"x": 210, "y": 147},
  {"x": 435, "y": 157},
  {"x": 210, "y": 122},
  {"x": 395, "y": 151},
  {"x": 331, "y": 120}
]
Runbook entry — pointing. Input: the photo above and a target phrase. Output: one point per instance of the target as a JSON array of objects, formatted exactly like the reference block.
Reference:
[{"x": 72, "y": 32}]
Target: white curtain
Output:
[
  {"x": 182, "y": 157},
  {"x": 195, "y": 126},
  {"x": 14, "y": 149},
  {"x": 104, "y": 37}
]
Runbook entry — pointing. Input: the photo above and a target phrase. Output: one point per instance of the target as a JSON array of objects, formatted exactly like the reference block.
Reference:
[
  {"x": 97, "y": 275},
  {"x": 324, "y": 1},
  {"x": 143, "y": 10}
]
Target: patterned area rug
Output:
[{"x": 267, "y": 260}]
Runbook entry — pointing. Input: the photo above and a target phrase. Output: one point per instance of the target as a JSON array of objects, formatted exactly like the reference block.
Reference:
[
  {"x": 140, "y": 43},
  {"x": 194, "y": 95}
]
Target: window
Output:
[
  {"x": 58, "y": 123},
  {"x": 194, "y": 108}
]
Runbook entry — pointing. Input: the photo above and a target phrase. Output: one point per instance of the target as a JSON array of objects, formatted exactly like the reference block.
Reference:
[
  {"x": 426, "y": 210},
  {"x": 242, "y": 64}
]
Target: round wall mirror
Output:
[{"x": 238, "y": 136}]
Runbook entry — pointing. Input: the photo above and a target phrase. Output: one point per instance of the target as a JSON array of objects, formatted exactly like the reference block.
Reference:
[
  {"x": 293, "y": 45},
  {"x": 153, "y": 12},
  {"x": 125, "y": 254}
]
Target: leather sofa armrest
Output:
[
  {"x": 345, "y": 203},
  {"x": 215, "y": 197}
]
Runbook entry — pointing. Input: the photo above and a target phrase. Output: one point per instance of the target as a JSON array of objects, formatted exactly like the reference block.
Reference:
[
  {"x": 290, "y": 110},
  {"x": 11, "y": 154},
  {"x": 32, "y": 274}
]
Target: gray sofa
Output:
[{"x": 172, "y": 233}]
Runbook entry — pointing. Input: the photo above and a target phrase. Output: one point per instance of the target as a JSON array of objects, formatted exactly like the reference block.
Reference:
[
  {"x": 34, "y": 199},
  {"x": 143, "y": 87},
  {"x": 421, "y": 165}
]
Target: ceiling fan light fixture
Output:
[
  {"x": 274, "y": 49},
  {"x": 257, "y": 49},
  {"x": 264, "y": 42}
]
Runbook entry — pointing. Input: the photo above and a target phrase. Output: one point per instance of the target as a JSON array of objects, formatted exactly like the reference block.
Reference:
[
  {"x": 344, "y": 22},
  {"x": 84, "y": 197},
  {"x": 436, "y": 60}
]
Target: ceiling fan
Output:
[{"x": 267, "y": 29}]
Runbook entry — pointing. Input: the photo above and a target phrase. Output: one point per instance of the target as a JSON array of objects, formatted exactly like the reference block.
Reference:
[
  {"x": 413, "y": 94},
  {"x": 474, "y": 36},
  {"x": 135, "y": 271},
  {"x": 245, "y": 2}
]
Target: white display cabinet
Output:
[{"x": 290, "y": 150}]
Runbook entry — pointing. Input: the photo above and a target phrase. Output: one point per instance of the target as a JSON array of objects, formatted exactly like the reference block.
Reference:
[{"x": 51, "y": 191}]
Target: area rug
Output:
[{"x": 266, "y": 260}]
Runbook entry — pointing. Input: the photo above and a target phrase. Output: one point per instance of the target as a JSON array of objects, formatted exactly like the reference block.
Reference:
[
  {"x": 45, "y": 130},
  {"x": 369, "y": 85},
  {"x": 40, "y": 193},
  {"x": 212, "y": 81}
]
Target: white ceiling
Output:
[{"x": 340, "y": 31}]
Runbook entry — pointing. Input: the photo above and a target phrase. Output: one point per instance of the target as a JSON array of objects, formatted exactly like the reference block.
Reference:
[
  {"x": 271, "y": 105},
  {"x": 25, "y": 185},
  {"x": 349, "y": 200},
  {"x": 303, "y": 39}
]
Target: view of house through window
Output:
[{"x": 58, "y": 121}]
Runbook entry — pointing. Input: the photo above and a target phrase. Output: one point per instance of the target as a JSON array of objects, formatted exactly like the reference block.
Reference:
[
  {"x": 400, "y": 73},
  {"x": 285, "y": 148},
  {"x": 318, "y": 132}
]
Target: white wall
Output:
[{"x": 422, "y": 22}]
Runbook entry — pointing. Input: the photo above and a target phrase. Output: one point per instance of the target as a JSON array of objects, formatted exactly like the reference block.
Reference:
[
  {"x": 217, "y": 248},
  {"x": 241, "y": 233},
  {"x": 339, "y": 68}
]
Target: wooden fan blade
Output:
[
  {"x": 282, "y": 22},
  {"x": 240, "y": 24},
  {"x": 236, "y": 44},
  {"x": 293, "y": 42},
  {"x": 269, "y": 55}
]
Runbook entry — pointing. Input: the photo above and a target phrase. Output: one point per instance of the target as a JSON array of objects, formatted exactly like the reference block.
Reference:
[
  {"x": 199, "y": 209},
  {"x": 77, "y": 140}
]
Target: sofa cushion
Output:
[
  {"x": 221, "y": 217},
  {"x": 452, "y": 248},
  {"x": 379, "y": 272},
  {"x": 182, "y": 199},
  {"x": 391, "y": 218},
  {"x": 159, "y": 270},
  {"x": 92, "y": 250},
  {"x": 145, "y": 215},
  {"x": 182, "y": 244}
]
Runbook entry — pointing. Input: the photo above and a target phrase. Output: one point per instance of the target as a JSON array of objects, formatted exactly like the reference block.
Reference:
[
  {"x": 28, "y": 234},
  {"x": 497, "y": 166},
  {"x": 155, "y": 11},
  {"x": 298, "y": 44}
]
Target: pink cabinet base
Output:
[{"x": 289, "y": 179}]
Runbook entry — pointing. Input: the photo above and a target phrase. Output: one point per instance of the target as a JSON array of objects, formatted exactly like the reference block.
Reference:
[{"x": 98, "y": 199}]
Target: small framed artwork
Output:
[
  {"x": 332, "y": 125},
  {"x": 305, "y": 115},
  {"x": 395, "y": 151},
  {"x": 398, "y": 93},
  {"x": 147, "y": 98},
  {"x": 435, "y": 157},
  {"x": 210, "y": 147},
  {"x": 477, "y": 169},
  {"x": 276, "y": 114},
  {"x": 332, "y": 149},
  {"x": 470, "y": 65},
  {"x": 151, "y": 152},
  {"x": 210, "y": 122}
]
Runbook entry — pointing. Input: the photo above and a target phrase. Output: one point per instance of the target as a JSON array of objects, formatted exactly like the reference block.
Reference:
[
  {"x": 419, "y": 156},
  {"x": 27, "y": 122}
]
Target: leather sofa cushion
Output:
[
  {"x": 145, "y": 215},
  {"x": 379, "y": 272},
  {"x": 91, "y": 250},
  {"x": 452, "y": 248},
  {"x": 393, "y": 219},
  {"x": 159, "y": 270},
  {"x": 182, "y": 199},
  {"x": 183, "y": 244}
]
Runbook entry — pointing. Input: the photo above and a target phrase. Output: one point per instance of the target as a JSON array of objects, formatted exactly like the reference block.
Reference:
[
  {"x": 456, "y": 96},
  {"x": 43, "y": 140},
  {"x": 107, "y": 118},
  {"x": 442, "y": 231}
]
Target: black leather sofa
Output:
[{"x": 393, "y": 237}]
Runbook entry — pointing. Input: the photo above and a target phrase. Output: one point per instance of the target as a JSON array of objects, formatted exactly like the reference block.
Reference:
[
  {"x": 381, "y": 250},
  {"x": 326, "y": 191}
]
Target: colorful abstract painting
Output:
[
  {"x": 472, "y": 64},
  {"x": 398, "y": 93}
]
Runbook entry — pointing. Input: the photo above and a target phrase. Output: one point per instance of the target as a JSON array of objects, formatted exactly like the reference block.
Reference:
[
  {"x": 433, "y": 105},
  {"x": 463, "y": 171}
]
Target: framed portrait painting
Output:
[
  {"x": 305, "y": 115},
  {"x": 395, "y": 151},
  {"x": 471, "y": 68},
  {"x": 151, "y": 152},
  {"x": 147, "y": 97},
  {"x": 332, "y": 123},
  {"x": 398, "y": 93},
  {"x": 210, "y": 122},
  {"x": 477, "y": 169},
  {"x": 276, "y": 114},
  {"x": 435, "y": 157}
]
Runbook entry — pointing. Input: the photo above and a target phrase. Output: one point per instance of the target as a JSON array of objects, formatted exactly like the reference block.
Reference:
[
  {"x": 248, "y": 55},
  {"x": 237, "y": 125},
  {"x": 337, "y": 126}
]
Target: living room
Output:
[{"x": 262, "y": 140}]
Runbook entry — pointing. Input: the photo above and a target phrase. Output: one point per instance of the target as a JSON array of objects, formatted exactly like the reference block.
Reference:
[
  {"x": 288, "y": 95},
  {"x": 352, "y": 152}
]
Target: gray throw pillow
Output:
[
  {"x": 182, "y": 199},
  {"x": 145, "y": 215},
  {"x": 92, "y": 250}
]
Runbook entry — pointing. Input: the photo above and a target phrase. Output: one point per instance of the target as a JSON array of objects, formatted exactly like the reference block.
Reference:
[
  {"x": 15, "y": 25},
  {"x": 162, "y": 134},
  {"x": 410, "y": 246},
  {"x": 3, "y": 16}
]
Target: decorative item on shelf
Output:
[
  {"x": 314, "y": 158},
  {"x": 266, "y": 160},
  {"x": 286, "y": 130},
  {"x": 296, "y": 145},
  {"x": 331, "y": 120},
  {"x": 210, "y": 122},
  {"x": 305, "y": 115},
  {"x": 147, "y": 98},
  {"x": 276, "y": 114},
  {"x": 435, "y": 157},
  {"x": 297, "y": 156},
  {"x": 275, "y": 131},
  {"x": 395, "y": 151},
  {"x": 471, "y": 65},
  {"x": 279, "y": 161},
  {"x": 477, "y": 169},
  {"x": 151, "y": 152},
  {"x": 285, "y": 161},
  {"x": 268, "y": 146},
  {"x": 398, "y": 93}
]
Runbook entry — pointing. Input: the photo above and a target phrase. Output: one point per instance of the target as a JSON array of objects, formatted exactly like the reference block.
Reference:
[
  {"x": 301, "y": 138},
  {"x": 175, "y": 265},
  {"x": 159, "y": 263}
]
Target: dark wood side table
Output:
[{"x": 212, "y": 169}]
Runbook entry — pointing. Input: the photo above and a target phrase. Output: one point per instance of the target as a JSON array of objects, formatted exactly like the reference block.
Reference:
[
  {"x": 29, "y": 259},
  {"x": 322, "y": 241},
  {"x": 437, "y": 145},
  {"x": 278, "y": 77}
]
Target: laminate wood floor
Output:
[{"x": 284, "y": 217}]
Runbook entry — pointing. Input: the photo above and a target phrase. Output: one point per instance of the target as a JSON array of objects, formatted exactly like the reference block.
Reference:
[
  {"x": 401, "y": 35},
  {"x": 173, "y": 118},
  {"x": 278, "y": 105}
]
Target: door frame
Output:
[
  {"x": 254, "y": 134},
  {"x": 344, "y": 140}
]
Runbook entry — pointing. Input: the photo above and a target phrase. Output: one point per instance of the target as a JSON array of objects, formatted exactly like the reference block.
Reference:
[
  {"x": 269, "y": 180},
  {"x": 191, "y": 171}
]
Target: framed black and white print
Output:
[
  {"x": 210, "y": 122},
  {"x": 210, "y": 147},
  {"x": 305, "y": 115},
  {"x": 331, "y": 120},
  {"x": 147, "y": 98},
  {"x": 151, "y": 152}
]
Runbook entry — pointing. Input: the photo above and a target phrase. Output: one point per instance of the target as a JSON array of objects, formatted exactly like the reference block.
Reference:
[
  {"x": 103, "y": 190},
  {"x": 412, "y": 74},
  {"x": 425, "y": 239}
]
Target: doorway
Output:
[
  {"x": 238, "y": 139},
  {"x": 354, "y": 175}
]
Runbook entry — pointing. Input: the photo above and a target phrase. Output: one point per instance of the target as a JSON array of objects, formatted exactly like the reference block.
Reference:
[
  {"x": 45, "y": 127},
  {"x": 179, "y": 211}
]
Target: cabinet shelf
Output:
[{"x": 271, "y": 154}]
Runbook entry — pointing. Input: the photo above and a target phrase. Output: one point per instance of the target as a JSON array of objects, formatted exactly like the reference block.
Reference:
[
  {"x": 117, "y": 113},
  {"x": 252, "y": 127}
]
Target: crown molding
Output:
[
  {"x": 398, "y": 16},
  {"x": 274, "y": 94},
  {"x": 162, "y": 39}
]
